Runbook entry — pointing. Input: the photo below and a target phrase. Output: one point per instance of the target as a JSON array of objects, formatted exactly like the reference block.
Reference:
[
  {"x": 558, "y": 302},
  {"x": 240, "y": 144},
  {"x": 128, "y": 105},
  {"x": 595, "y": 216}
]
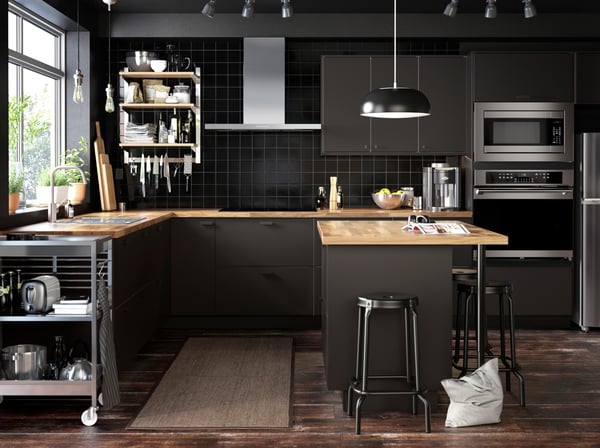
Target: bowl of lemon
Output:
[{"x": 387, "y": 199}]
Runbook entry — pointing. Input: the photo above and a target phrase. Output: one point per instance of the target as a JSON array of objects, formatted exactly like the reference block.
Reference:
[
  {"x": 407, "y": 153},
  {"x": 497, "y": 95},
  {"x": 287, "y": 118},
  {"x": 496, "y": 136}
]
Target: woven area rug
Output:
[{"x": 223, "y": 382}]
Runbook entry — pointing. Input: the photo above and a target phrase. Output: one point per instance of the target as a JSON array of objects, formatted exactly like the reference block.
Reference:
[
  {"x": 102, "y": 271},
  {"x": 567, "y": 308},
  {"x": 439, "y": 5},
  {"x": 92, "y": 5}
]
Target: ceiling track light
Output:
[
  {"x": 286, "y": 9},
  {"x": 451, "y": 8},
  {"x": 490, "y": 9},
  {"x": 395, "y": 102},
  {"x": 209, "y": 8},
  {"x": 529, "y": 9},
  {"x": 248, "y": 9}
]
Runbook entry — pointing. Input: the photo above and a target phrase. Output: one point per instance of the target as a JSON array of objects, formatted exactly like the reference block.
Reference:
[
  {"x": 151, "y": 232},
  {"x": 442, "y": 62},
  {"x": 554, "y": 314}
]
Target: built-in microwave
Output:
[{"x": 523, "y": 132}]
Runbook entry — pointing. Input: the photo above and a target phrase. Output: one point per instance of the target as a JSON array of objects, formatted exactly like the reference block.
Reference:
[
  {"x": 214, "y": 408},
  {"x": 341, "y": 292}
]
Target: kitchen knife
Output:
[
  {"x": 155, "y": 171},
  {"x": 149, "y": 168},
  {"x": 167, "y": 172},
  {"x": 143, "y": 176}
]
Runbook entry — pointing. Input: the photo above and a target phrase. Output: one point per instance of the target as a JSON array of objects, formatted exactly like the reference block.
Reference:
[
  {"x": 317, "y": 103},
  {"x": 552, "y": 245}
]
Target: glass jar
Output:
[{"x": 182, "y": 93}]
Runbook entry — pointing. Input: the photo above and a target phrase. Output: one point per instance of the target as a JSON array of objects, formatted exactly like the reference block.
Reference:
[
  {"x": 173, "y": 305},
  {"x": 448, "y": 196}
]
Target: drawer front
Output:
[
  {"x": 266, "y": 291},
  {"x": 265, "y": 242}
]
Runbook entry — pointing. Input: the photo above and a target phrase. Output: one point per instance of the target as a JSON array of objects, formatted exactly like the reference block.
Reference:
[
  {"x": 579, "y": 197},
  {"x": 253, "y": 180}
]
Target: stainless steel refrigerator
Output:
[{"x": 586, "y": 312}]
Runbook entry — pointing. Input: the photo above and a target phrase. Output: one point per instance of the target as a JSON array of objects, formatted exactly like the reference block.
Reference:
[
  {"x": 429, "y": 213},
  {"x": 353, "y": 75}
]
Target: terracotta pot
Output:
[
  {"x": 76, "y": 193},
  {"x": 13, "y": 202}
]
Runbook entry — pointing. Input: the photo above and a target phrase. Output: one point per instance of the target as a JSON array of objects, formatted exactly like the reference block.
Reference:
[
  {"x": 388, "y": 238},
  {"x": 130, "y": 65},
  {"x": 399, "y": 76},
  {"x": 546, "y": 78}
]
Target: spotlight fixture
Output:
[
  {"x": 209, "y": 8},
  {"x": 395, "y": 102},
  {"x": 286, "y": 9},
  {"x": 490, "y": 9},
  {"x": 529, "y": 9},
  {"x": 451, "y": 8},
  {"x": 248, "y": 9},
  {"x": 78, "y": 76}
]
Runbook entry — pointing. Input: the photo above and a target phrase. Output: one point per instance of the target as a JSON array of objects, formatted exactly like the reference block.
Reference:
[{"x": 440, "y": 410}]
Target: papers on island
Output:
[
  {"x": 432, "y": 228},
  {"x": 69, "y": 305},
  {"x": 140, "y": 133}
]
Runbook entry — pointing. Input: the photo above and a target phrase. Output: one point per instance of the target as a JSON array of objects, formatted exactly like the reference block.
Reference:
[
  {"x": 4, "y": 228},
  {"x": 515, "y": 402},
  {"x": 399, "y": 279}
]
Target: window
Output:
[{"x": 35, "y": 88}]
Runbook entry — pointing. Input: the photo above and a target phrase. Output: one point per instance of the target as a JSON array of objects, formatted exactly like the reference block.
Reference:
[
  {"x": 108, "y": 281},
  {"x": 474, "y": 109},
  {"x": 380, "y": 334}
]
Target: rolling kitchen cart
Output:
[{"x": 80, "y": 263}]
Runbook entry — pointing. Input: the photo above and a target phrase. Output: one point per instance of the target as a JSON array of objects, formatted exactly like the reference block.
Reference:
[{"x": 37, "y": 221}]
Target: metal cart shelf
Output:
[{"x": 79, "y": 262}]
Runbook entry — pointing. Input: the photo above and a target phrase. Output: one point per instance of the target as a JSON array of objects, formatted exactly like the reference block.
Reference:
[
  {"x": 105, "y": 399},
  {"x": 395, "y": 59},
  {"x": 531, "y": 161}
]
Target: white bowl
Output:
[{"x": 158, "y": 65}]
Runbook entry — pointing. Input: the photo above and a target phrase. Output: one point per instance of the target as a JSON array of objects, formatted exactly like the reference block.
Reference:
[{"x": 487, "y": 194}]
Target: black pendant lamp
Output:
[{"x": 395, "y": 102}]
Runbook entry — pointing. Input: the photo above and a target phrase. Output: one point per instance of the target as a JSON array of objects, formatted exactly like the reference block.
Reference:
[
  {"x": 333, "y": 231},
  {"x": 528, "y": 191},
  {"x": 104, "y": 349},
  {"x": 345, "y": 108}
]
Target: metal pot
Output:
[
  {"x": 79, "y": 370},
  {"x": 24, "y": 361}
]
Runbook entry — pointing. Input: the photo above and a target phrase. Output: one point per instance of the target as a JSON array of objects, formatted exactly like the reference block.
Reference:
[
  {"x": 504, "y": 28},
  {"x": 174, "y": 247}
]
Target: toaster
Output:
[{"x": 40, "y": 293}]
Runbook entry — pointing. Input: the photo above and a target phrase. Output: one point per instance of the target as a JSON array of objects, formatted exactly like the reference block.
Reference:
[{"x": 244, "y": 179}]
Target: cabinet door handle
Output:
[
  {"x": 266, "y": 223},
  {"x": 375, "y": 146},
  {"x": 267, "y": 273},
  {"x": 208, "y": 223}
]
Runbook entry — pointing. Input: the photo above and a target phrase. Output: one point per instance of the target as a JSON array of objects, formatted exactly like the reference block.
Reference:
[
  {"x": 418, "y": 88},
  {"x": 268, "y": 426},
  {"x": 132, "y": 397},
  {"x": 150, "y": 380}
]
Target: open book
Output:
[{"x": 440, "y": 227}]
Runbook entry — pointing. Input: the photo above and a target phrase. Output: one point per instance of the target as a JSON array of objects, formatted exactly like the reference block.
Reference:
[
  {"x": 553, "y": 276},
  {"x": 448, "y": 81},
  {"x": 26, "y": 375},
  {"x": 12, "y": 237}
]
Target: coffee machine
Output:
[{"x": 441, "y": 187}]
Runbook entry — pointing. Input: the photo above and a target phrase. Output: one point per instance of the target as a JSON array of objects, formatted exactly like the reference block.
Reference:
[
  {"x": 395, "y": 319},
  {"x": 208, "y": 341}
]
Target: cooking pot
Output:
[
  {"x": 40, "y": 293},
  {"x": 24, "y": 361},
  {"x": 78, "y": 370}
]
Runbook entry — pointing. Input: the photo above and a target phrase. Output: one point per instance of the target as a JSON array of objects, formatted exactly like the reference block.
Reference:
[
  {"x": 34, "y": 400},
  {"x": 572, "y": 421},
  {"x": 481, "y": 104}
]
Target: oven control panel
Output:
[{"x": 546, "y": 178}]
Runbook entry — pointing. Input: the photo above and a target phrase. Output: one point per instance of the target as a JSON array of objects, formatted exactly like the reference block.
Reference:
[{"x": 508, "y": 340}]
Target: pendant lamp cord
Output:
[
  {"x": 395, "y": 15},
  {"x": 109, "y": 44},
  {"x": 78, "y": 34}
]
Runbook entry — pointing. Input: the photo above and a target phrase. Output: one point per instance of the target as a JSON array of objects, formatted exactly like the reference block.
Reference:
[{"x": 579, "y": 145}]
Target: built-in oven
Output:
[
  {"x": 534, "y": 208},
  {"x": 523, "y": 132}
]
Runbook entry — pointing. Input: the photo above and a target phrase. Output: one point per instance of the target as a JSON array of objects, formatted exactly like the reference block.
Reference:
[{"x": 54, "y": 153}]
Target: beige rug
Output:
[{"x": 223, "y": 382}]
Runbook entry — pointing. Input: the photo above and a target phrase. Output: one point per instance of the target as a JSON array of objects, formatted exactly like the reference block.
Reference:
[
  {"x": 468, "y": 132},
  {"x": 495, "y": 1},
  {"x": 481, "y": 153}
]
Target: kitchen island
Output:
[{"x": 359, "y": 257}]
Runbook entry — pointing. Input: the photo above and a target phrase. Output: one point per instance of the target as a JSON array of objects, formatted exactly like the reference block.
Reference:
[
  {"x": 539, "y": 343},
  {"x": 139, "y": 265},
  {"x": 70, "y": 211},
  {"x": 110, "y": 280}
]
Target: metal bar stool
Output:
[
  {"x": 467, "y": 296},
  {"x": 359, "y": 384}
]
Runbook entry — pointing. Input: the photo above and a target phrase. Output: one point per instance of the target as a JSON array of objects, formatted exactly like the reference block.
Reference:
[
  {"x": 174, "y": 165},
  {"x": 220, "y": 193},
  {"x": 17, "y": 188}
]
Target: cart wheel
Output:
[
  {"x": 100, "y": 399},
  {"x": 89, "y": 416}
]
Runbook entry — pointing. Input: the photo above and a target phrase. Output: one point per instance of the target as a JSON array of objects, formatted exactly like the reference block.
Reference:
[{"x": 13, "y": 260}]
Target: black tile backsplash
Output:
[{"x": 274, "y": 169}]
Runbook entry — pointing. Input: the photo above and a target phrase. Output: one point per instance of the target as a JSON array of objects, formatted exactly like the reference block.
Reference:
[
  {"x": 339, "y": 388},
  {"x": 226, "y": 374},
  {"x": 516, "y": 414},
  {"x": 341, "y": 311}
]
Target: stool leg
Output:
[
  {"x": 365, "y": 367},
  {"x": 457, "y": 325},
  {"x": 515, "y": 366},
  {"x": 407, "y": 350},
  {"x": 465, "y": 365},
  {"x": 502, "y": 326},
  {"x": 357, "y": 369},
  {"x": 422, "y": 397}
]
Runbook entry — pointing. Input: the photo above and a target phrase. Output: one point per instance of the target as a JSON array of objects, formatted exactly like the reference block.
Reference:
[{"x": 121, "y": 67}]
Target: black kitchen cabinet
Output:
[
  {"x": 444, "y": 80},
  {"x": 193, "y": 266},
  {"x": 141, "y": 286},
  {"x": 587, "y": 88},
  {"x": 265, "y": 267},
  {"x": 347, "y": 79},
  {"x": 523, "y": 76}
]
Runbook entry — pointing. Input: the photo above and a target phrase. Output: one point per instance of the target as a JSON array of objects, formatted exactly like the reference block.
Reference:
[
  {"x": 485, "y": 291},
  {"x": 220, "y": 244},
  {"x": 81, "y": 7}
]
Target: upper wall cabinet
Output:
[
  {"x": 587, "y": 90},
  {"x": 345, "y": 80},
  {"x": 523, "y": 76}
]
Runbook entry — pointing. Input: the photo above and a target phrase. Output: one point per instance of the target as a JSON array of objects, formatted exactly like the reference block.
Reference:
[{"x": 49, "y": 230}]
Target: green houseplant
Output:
[
  {"x": 77, "y": 184},
  {"x": 15, "y": 187},
  {"x": 61, "y": 187}
]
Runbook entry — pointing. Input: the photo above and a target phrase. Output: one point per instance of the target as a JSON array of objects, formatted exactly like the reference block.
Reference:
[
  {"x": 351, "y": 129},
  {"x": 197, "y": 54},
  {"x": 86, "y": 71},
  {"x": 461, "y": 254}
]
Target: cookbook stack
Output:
[{"x": 73, "y": 305}]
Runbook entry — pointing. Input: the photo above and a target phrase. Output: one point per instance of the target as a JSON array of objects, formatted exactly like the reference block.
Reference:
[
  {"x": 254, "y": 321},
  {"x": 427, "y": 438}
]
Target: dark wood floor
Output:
[{"x": 561, "y": 369}]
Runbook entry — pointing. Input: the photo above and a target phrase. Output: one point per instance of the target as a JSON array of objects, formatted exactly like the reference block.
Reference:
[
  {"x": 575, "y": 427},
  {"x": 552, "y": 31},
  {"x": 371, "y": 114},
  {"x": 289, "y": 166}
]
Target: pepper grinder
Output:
[{"x": 333, "y": 193}]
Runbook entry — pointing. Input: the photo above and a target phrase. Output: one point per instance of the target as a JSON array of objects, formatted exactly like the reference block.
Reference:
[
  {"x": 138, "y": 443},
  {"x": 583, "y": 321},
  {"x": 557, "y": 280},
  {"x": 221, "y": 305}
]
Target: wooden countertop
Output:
[
  {"x": 151, "y": 217},
  {"x": 390, "y": 233}
]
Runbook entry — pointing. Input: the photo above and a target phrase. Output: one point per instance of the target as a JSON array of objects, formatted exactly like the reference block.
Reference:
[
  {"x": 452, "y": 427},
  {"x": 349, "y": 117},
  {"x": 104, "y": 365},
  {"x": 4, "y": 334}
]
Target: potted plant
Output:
[
  {"x": 15, "y": 187},
  {"x": 77, "y": 185},
  {"x": 61, "y": 187}
]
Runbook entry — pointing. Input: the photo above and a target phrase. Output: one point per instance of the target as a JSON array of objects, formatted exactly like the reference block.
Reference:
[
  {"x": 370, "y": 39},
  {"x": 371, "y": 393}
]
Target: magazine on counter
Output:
[{"x": 432, "y": 228}]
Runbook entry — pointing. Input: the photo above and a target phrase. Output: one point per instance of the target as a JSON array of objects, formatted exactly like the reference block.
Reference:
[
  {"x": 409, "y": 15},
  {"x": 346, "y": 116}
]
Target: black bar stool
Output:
[
  {"x": 465, "y": 307},
  {"x": 359, "y": 384}
]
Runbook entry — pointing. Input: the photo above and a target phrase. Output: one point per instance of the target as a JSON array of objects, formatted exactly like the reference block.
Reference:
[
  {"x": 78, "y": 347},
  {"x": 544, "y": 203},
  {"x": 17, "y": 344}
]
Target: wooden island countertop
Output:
[{"x": 391, "y": 233}]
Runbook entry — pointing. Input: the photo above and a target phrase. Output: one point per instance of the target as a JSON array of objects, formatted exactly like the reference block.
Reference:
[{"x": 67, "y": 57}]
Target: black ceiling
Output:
[{"x": 350, "y": 6}]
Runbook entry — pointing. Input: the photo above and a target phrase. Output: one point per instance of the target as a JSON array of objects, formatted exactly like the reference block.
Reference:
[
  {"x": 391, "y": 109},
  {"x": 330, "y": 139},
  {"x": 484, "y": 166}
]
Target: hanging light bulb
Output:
[
  {"x": 286, "y": 9},
  {"x": 109, "y": 106},
  {"x": 78, "y": 89},
  {"x": 78, "y": 76}
]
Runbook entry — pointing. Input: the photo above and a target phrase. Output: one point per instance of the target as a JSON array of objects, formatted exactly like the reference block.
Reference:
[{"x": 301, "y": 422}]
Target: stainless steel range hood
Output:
[{"x": 264, "y": 89}]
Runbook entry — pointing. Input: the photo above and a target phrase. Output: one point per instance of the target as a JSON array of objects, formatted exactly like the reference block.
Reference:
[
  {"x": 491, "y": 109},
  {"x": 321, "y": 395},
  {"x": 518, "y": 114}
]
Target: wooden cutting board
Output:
[
  {"x": 99, "y": 151},
  {"x": 111, "y": 199}
]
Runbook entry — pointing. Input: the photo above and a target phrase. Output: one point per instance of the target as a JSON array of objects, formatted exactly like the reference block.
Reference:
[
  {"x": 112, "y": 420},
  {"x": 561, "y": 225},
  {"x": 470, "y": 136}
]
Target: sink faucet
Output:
[{"x": 51, "y": 204}]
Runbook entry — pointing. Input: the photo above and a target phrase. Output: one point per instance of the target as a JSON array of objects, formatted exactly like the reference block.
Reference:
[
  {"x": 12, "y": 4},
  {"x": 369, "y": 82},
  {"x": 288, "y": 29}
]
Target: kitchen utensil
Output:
[
  {"x": 80, "y": 369},
  {"x": 167, "y": 172},
  {"x": 24, "y": 361},
  {"x": 158, "y": 65},
  {"x": 139, "y": 61},
  {"x": 149, "y": 168},
  {"x": 155, "y": 171},
  {"x": 143, "y": 176},
  {"x": 40, "y": 293},
  {"x": 187, "y": 169},
  {"x": 408, "y": 196},
  {"x": 387, "y": 201}
]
